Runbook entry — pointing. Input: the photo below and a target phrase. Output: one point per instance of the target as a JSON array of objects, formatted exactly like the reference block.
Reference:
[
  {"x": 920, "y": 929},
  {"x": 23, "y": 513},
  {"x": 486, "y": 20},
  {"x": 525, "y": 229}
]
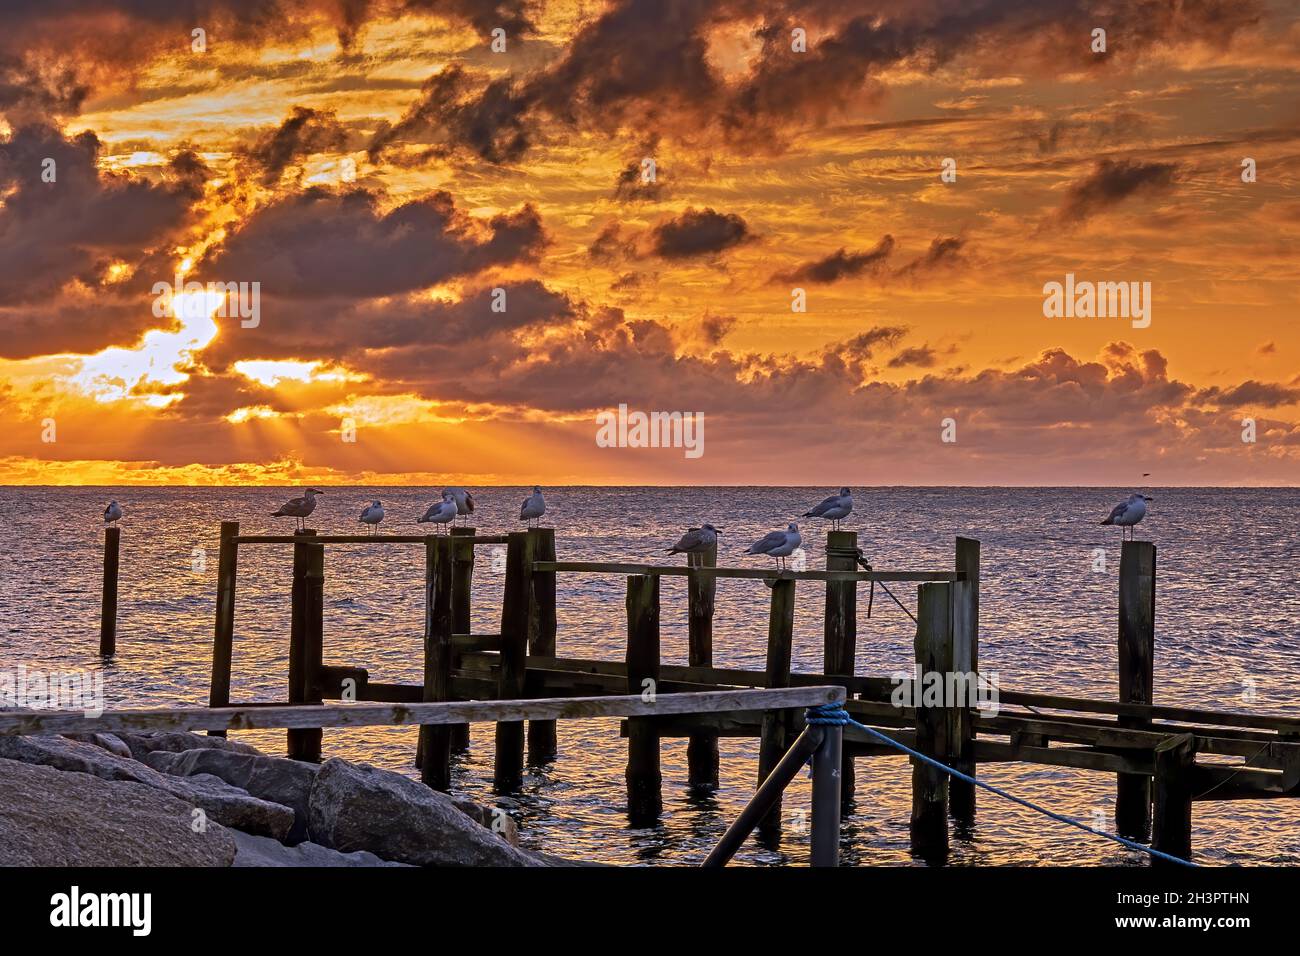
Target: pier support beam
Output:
[
  {"x": 541, "y": 638},
  {"x": 644, "y": 781},
  {"x": 1137, "y": 637},
  {"x": 1172, "y": 828},
  {"x": 462, "y": 579},
  {"x": 773, "y": 735},
  {"x": 108, "y": 596},
  {"x": 841, "y": 625},
  {"x": 306, "y": 638},
  {"x": 702, "y": 748},
  {"x": 223, "y": 638},
  {"x": 966, "y": 641},
  {"x": 435, "y": 740},
  {"x": 509, "y": 766},
  {"x": 934, "y": 656}
]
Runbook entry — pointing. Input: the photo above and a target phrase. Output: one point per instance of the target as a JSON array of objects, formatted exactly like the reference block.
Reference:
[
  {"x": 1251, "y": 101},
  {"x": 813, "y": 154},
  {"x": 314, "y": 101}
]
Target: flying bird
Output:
[
  {"x": 372, "y": 514},
  {"x": 113, "y": 513},
  {"x": 533, "y": 508},
  {"x": 464, "y": 500},
  {"x": 834, "y": 509},
  {"x": 696, "y": 540},
  {"x": 298, "y": 508},
  {"x": 1128, "y": 513},
  {"x": 440, "y": 512},
  {"x": 778, "y": 544}
]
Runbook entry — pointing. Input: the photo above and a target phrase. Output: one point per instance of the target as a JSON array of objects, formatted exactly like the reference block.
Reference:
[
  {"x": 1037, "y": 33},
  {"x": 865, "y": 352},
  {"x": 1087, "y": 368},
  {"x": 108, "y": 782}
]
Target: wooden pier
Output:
[{"x": 1163, "y": 758}]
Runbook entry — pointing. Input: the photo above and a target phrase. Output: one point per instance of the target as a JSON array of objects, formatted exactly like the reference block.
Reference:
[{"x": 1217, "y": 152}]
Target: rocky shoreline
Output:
[{"x": 182, "y": 799}]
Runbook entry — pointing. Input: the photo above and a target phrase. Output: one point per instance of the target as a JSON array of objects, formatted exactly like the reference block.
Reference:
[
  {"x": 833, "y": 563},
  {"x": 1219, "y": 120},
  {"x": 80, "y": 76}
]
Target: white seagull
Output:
[
  {"x": 834, "y": 509},
  {"x": 372, "y": 514},
  {"x": 464, "y": 500},
  {"x": 298, "y": 508},
  {"x": 1128, "y": 513},
  {"x": 113, "y": 513},
  {"x": 534, "y": 507},
  {"x": 440, "y": 512},
  {"x": 696, "y": 540},
  {"x": 778, "y": 544}
]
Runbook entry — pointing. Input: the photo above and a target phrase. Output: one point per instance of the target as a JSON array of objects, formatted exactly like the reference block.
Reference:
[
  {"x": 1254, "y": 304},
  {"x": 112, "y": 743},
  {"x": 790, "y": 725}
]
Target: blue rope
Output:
[{"x": 836, "y": 715}]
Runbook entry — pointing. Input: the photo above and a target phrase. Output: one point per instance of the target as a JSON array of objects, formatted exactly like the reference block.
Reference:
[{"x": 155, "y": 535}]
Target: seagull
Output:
[
  {"x": 298, "y": 508},
  {"x": 113, "y": 513},
  {"x": 372, "y": 514},
  {"x": 778, "y": 544},
  {"x": 440, "y": 512},
  {"x": 1128, "y": 513},
  {"x": 696, "y": 540},
  {"x": 534, "y": 507},
  {"x": 464, "y": 500},
  {"x": 833, "y": 509}
]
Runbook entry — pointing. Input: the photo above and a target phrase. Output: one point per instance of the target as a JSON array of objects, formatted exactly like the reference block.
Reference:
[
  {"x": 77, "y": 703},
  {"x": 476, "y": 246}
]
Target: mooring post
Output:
[
  {"x": 841, "y": 624},
  {"x": 306, "y": 635},
  {"x": 644, "y": 797},
  {"x": 1137, "y": 641},
  {"x": 462, "y": 579},
  {"x": 827, "y": 792},
  {"x": 223, "y": 638},
  {"x": 108, "y": 598},
  {"x": 780, "y": 644},
  {"x": 512, "y": 670},
  {"x": 541, "y": 638},
  {"x": 435, "y": 739},
  {"x": 702, "y": 747},
  {"x": 934, "y": 662},
  {"x": 966, "y": 640},
  {"x": 1175, "y": 758}
]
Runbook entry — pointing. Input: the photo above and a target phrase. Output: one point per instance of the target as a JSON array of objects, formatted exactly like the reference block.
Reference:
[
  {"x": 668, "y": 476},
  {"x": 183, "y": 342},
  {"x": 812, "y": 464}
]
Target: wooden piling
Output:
[
  {"x": 306, "y": 636},
  {"x": 108, "y": 597},
  {"x": 223, "y": 638},
  {"x": 462, "y": 579},
  {"x": 1175, "y": 758},
  {"x": 644, "y": 782},
  {"x": 965, "y": 636},
  {"x": 1137, "y": 635},
  {"x": 435, "y": 741},
  {"x": 840, "y": 626},
  {"x": 702, "y": 747},
  {"x": 509, "y": 764},
  {"x": 780, "y": 644},
  {"x": 934, "y": 656},
  {"x": 541, "y": 638}
]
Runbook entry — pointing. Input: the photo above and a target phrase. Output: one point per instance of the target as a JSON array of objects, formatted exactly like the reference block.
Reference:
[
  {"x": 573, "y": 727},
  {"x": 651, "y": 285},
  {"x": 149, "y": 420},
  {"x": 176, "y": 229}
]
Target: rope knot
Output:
[{"x": 833, "y": 715}]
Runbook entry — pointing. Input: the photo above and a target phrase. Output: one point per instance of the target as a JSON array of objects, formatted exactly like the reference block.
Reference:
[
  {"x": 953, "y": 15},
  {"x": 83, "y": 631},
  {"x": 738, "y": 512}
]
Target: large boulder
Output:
[
  {"x": 225, "y": 804},
  {"x": 263, "y": 851},
  {"x": 175, "y": 741},
  {"x": 277, "y": 779},
  {"x": 359, "y": 807},
  {"x": 51, "y": 817}
]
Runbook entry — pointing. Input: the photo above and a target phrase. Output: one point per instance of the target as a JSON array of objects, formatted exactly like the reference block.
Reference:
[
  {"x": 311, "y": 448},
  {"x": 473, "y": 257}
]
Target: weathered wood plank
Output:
[
  {"x": 702, "y": 748},
  {"x": 108, "y": 593},
  {"x": 223, "y": 638},
  {"x": 1171, "y": 829},
  {"x": 644, "y": 780},
  {"x": 965, "y": 635},
  {"x": 934, "y": 655},
  {"x": 513, "y": 659},
  {"x": 462, "y": 582},
  {"x": 1137, "y": 630},
  {"x": 840, "y": 627},
  {"x": 435, "y": 742},
  {"x": 780, "y": 646},
  {"x": 755, "y": 574},
  {"x": 541, "y": 637}
]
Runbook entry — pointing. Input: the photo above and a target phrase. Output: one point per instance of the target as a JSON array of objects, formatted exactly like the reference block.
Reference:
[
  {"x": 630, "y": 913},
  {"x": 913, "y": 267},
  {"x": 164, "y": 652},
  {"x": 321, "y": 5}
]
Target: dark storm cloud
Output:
[
  {"x": 698, "y": 232},
  {"x": 840, "y": 264},
  {"x": 304, "y": 132},
  {"x": 318, "y": 244},
  {"x": 922, "y": 356},
  {"x": 944, "y": 252},
  {"x": 1111, "y": 182}
]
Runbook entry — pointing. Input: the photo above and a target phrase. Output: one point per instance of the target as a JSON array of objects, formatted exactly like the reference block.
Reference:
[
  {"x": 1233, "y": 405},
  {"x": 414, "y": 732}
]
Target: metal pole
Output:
[{"x": 826, "y": 796}]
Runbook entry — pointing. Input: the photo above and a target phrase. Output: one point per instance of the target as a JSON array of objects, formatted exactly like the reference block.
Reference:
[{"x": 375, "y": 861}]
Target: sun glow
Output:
[{"x": 271, "y": 372}]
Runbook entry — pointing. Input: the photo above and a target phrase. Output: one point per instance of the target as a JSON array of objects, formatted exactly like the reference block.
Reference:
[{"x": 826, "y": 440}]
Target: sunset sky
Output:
[{"x": 378, "y": 169}]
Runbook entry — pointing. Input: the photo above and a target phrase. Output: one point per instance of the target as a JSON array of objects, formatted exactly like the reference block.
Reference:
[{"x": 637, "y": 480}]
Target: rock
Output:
[
  {"x": 494, "y": 818},
  {"x": 51, "y": 817},
  {"x": 176, "y": 741},
  {"x": 277, "y": 779},
  {"x": 263, "y": 851},
  {"x": 110, "y": 742},
  {"x": 358, "y": 807},
  {"x": 223, "y": 803}
]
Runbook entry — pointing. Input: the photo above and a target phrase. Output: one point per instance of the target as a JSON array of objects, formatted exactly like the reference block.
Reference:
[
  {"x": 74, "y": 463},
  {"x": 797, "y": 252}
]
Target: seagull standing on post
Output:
[
  {"x": 778, "y": 544},
  {"x": 299, "y": 508},
  {"x": 834, "y": 509},
  {"x": 533, "y": 508},
  {"x": 113, "y": 513},
  {"x": 1128, "y": 513},
  {"x": 372, "y": 514},
  {"x": 440, "y": 512},
  {"x": 464, "y": 501},
  {"x": 696, "y": 540}
]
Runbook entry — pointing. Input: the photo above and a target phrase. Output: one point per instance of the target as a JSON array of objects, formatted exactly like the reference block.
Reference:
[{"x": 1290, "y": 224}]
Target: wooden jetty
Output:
[{"x": 1164, "y": 758}]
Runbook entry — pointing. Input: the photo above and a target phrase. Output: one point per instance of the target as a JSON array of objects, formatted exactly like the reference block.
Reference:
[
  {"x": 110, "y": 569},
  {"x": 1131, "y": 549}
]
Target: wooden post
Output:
[
  {"x": 1175, "y": 757},
  {"x": 462, "y": 580},
  {"x": 827, "y": 793},
  {"x": 1137, "y": 638},
  {"x": 306, "y": 636},
  {"x": 965, "y": 636},
  {"x": 223, "y": 638},
  {"x": 512, "y": 672},
  {"x": 841, "y": 626},
  {"x": 541, "y": 638},
  {"x": 435, "y": 741},
  {"x": 108, "y": 597},
  {"x": 780, "y": 644},
  {"x": 644, "y": 797},
  {"x": 934, "y": 656},
  {"x": 702, "y": 748}
]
